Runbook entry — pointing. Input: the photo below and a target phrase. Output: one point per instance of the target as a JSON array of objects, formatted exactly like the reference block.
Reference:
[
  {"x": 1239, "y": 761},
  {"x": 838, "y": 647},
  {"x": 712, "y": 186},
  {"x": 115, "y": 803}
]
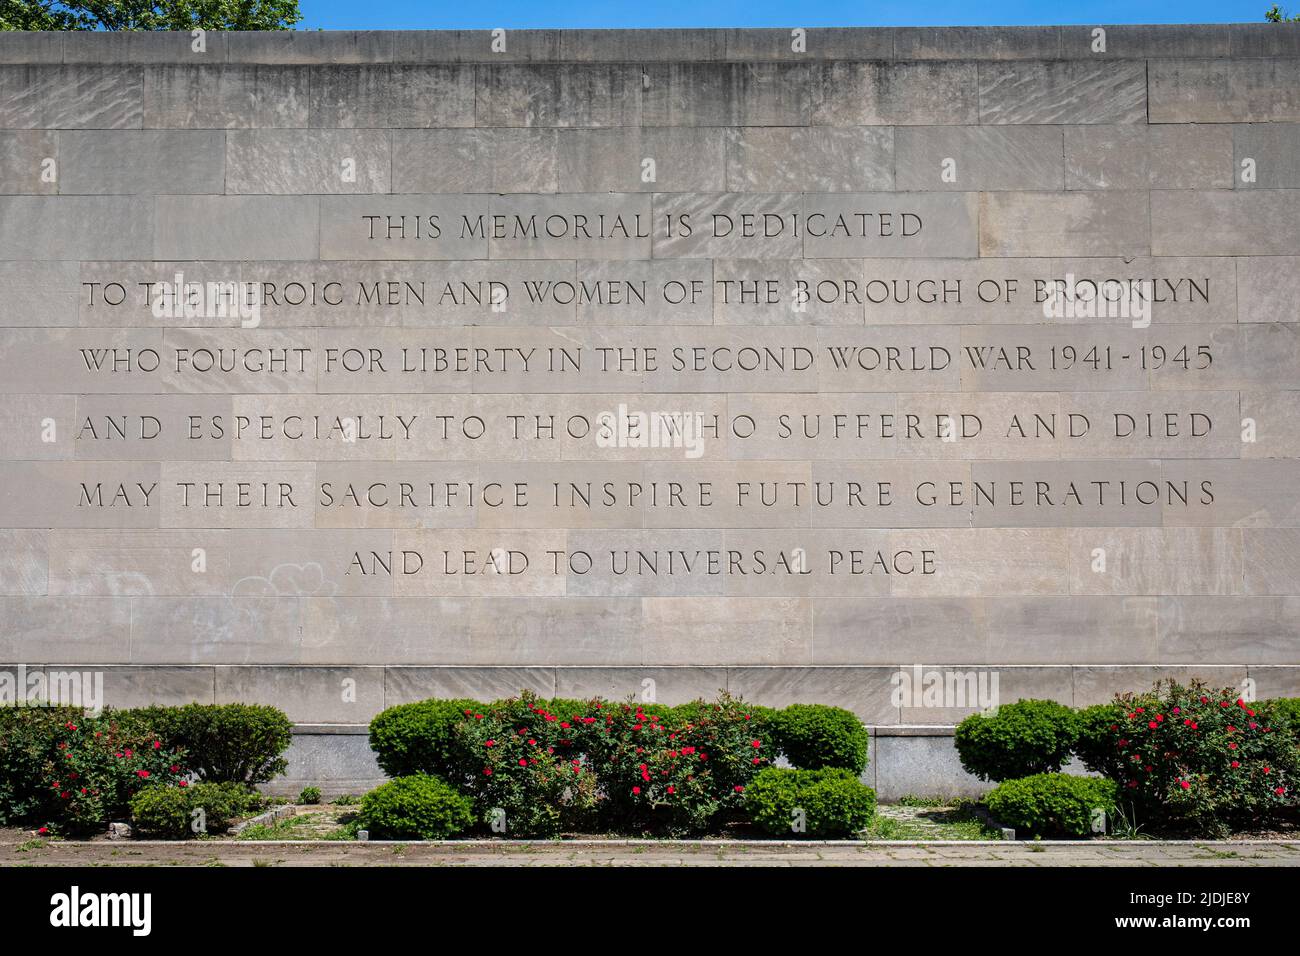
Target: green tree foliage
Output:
[
  {"x": 1276, "y": 14},
  {"x": 116, "y": 15}
]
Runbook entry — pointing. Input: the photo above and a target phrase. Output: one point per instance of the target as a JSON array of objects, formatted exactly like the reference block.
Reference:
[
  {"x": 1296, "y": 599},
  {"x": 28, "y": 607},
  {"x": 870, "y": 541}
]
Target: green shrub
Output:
[
  {"x": 1095, "y": 746},
  {"x": 813, "y": 804},
  {"x": 309, "y": 795},
  {"x": 417, "y": 738},
  {"x": 1282, "y": 710},
  {"x": 1052, "y": 804},
  {"x": 223, "y": 803},
  {"x": 225, "y": 743},
  {"x": 1017, "y": 740},
  {"x": 184, "y": 811},
  {"x": 419, "y": 807},
  {"x": 1192, "y": 759},
  {"x": 162, "y": 813},
  {"x": 814, "y": 736}
]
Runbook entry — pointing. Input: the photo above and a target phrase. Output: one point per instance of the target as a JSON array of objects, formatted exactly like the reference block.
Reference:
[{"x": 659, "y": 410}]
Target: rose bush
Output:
[
  {"x": 1194, "y": 758},
  {"x": 26, "y": 736},
  {"x": 94, "y": 766},
  {"x": 73, "y": 772},
  {"x": 678, "y": 773},
  {"x": 537, "y": 768},
  {"x": 519, "y": 766}
]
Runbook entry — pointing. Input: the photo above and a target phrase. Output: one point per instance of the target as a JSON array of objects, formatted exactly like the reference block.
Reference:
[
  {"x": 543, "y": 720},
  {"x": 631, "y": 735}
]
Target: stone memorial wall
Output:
[{"x": 909, "y": 370}]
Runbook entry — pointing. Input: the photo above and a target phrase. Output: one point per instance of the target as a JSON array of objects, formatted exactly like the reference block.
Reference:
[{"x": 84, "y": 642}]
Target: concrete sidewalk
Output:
[{"x": 650, "y": 853}]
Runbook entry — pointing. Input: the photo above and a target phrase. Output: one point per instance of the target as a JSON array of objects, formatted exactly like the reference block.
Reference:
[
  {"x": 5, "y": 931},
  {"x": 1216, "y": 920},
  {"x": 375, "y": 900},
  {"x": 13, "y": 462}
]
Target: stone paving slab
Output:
[{"x": 651, "y": 853}]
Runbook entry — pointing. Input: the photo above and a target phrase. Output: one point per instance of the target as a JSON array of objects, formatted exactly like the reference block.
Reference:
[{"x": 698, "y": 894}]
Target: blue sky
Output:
[{"x": 519, "y": 14}]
